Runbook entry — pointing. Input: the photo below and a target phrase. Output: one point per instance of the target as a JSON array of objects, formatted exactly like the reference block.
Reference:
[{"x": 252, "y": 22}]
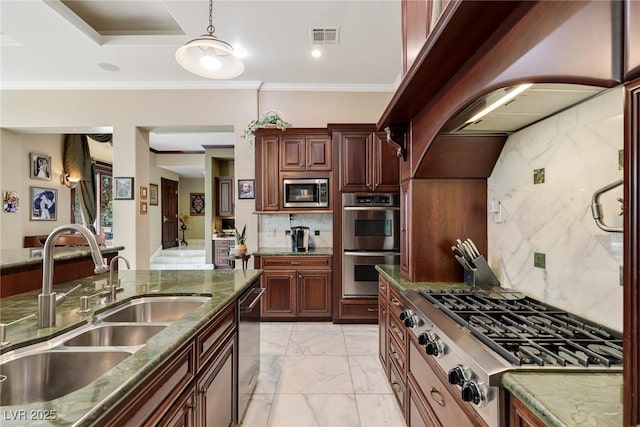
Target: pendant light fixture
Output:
[{"x": 208, "y": 56}]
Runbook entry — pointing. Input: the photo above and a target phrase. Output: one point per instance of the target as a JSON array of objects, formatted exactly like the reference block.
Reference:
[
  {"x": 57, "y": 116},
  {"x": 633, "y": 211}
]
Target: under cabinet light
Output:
[{"x": 500, "y": 102}]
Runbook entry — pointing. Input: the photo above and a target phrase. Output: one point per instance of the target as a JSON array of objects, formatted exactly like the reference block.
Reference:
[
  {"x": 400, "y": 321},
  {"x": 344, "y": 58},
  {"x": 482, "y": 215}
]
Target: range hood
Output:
[{"x": 538, "y": 102}]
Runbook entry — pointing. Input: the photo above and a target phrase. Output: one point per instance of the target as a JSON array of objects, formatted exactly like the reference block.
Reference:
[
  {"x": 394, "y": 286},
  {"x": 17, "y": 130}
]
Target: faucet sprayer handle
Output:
[
  {"x": 101, "y": 269},
  {"x": 63, "y": 297}
]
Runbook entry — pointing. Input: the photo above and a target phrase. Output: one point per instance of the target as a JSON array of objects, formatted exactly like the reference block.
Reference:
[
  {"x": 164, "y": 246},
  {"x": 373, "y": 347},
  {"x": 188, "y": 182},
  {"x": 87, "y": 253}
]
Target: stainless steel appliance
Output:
[
  {"x": 299, "y": 239},
  {"x": 305, "y": 193},
  {"x": 476, "y": 335},
  {"x": 370, "y": 236},
  {"x": 248, "y": 344}
]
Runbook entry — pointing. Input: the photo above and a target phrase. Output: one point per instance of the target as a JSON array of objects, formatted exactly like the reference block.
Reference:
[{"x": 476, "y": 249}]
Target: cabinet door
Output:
[
  {"x": 216, "y": 390},
  {"x": 267, "y": 174},
  {"x": 383, "y": 318},
  {"x": 292, "y": 153},
  {"x": 318, "y": 153},
  {"x": 385, "y": 165},
  {"x": 521, "y": 416},
  {"x": 224, "y": 188},
  {"x": 221, "y": 253},
  {"x": 355, "y": 153},
  {"x": 314, "y": 293},
  {"x": 405, "y": 236},
  {"x": 182, "y": 412},
  {"x": 279, "y": 299}
]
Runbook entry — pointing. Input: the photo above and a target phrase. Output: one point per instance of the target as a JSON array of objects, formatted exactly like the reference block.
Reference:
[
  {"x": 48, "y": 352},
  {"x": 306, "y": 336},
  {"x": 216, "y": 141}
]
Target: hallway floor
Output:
[
  {"x": 183, "y": 257},
  {"x": 321, "y": 374}
]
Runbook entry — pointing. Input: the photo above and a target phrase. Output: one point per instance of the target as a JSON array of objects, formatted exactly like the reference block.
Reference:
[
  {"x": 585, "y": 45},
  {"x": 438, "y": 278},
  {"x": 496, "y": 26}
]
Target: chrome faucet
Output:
[
  {"x": 48, "y": 300},
  {"x": 113, "y": 289}
]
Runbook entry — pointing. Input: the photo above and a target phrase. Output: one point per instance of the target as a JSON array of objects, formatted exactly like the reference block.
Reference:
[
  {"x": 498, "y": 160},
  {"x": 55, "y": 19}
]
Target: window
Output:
[{"x": 104, "y": 212}]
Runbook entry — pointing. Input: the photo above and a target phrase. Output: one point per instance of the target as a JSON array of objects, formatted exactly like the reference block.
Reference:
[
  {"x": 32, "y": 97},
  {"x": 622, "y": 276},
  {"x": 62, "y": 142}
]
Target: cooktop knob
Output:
[
  {"x": 411, "y": 321},
  {"x": 471, "y": 392},
  {"x": 423, "y": 338},
  {"x": 405, "y": 313},
  {"x": 434, "y": 348},
  {"x": 457, "y": 376}
]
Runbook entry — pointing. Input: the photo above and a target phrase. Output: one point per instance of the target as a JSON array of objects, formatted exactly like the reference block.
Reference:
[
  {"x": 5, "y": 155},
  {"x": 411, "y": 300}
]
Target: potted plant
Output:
[
  {"x": 241, "y": 238},
  {"x": 271, "y": 118}
]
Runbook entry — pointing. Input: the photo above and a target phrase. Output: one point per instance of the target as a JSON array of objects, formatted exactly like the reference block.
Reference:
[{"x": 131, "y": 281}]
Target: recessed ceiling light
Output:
[
  {"x": 108, "y": 67},
  {"x": 316, "y": 52}
]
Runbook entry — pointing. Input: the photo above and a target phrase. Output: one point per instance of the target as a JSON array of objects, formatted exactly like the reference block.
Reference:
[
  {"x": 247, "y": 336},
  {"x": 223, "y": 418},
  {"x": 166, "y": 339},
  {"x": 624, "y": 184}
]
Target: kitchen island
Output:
[
  {"x": 556, "y": 397},
  {"x": 92, "y": 404}
]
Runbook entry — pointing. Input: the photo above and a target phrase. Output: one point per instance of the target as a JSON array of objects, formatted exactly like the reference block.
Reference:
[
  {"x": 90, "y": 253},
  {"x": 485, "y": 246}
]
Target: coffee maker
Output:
[{"x": 300, "y": 239}]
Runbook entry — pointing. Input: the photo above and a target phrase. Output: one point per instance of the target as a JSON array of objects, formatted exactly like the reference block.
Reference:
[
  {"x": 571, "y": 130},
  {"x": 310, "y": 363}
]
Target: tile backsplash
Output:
[
  {"x": 272, "y": 229},
  {"x": 578, "y": 150}
]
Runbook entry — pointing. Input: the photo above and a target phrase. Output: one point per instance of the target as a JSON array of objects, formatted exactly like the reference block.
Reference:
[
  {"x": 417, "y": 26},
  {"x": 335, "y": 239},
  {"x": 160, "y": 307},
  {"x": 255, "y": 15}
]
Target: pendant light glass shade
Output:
[{"x": 208, "y": 56}]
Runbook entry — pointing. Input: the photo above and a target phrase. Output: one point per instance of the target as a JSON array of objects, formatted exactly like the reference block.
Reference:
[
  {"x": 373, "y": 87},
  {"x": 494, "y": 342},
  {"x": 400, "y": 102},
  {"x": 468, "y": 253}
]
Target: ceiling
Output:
[{"x": 118, "y": 44}]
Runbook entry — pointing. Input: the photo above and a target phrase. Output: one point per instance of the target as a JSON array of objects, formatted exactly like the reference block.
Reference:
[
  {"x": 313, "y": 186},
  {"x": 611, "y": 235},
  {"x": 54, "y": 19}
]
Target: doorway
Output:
[{"x": 169, "y": 192}]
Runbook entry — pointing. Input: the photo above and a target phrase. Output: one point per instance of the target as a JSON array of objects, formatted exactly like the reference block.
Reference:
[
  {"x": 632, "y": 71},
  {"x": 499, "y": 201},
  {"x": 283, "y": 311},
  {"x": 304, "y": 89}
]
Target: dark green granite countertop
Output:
[
  {"x": 288, "y": 251},
  {"x": 392, "y": 273},
  {"x": 85, "y": 405},
  {"x": 559, "y": 399},
  {"x": 21, "y": 257},
  {"x": 568, "y": 399}
]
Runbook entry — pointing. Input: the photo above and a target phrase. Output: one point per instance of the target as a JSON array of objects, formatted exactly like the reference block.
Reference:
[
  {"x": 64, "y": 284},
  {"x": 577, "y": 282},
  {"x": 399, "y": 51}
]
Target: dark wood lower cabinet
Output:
[
  {"x": 196, "y": 386},
  {"x": 521, "y": 416}
]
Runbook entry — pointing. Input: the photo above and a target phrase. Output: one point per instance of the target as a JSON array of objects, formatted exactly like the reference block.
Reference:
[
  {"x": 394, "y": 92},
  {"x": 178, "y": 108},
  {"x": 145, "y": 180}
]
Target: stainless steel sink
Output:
[
  {"x": 154, "y": 309},
  {"x": 47, "y": 375},
  {"x": 115, "y": 335}
]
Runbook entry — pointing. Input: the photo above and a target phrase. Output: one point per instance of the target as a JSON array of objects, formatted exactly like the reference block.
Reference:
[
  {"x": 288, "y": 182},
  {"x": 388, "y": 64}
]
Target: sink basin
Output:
[
  {"x": 115, "y": 335},
  {"x": 154, "y": 309},
  {"x": 48, "y": 375}
]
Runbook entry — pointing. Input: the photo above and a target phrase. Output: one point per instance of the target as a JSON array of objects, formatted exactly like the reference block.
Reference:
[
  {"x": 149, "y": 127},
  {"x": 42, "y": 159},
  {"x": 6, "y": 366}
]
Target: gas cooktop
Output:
[{"x": 525, "y": 331}]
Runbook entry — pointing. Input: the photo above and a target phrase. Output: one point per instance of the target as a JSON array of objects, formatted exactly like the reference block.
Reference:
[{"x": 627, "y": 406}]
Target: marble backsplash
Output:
[
  {"x": 272, "y": 229},
  {"x": 578, "y": 150}
]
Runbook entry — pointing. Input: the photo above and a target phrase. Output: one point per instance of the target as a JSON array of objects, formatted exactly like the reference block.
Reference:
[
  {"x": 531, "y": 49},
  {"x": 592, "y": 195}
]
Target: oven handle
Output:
[
  {"x": 350, "y": 253},
  {"x": 253, "y": 303},
  {"x": 371, "y": 208}
]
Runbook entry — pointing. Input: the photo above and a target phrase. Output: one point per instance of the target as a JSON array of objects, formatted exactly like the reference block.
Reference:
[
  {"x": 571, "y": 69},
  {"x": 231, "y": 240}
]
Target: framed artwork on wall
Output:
[
  {"x": 153, "y": 194},
  {"x": 143, "y": 193},
  {"x": 143, "y": 208},
  {"x": 123, "y": 188},
  {"x": 43, "y": 204},
  {"x": 197, "y": 204},
  {"x": 246, "y": 189},
  {"x": 40, "y": 166}
]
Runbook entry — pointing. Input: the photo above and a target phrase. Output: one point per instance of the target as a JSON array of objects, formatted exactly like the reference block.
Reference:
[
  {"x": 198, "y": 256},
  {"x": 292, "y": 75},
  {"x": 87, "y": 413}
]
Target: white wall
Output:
[{"x": 579, "y": 151}]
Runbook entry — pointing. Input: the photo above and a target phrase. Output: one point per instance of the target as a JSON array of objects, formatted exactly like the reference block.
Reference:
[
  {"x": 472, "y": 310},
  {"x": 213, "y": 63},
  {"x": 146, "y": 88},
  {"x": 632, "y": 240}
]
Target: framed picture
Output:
[
  {"x": 40, "y": 166},
  {"x": 153, "y": 194},
  {"x": 123, "y": 188},
  {"x": 43, "y": 204},
  {"x": 11, "y": 202},
  {"x": 197, "y": 204},
  {"x": 143, "y": 193},
  {"x": 143, "y": 208},
  {"x": 246, "y": 189}
]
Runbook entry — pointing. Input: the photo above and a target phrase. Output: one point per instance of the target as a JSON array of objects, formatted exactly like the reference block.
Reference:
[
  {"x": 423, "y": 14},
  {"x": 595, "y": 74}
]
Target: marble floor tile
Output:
[
  {"x": 257, "y": 413},
  {"x": 314, "y": 410},
  {"x": 367, "y": 375},
  {"x": 379, "y": 410},
  {"x": 362, "y": 344},
  {"x": 315, "y": 374},
  {"x": 316, "y": 343},
  {"x": 359, "y": 328},
  {"x": 276, "y": 326},
  {"x": 274, "y": 342},
  {"x": 270, "y": 369},
  {"x": 316, "y": 326}
]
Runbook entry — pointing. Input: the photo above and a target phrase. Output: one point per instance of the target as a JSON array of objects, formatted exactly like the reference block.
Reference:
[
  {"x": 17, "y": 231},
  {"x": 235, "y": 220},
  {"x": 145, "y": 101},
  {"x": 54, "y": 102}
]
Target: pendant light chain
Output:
[{"x": 211, "y": 29}]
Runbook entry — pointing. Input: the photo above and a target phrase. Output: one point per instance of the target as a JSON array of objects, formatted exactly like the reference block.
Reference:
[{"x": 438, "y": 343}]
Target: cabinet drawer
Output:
[
  {"x": 359, "y": 309},
  {"x": 383, "y": 288},
  {"x": 296, "y": 261},
  {"x": 436, "y": 393},
  {"x": 398, "y": 386},
  {"x": 396, "y": 303},
  {"x": 397, "y": 330},
  {"x": 397, "y": 356},
  {"x": 209, "y": 340}
]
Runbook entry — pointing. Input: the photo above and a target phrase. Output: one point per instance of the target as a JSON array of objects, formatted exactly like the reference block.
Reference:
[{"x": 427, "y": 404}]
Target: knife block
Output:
[{"x": 482, "y": 275}]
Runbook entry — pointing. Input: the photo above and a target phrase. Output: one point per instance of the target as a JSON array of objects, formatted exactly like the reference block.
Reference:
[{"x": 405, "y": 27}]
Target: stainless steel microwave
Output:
[{"x": 306, "y": 193}]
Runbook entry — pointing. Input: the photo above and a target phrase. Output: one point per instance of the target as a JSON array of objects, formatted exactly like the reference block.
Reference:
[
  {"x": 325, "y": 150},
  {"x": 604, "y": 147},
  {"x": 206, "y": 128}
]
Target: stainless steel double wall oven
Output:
[{"x": 370, "y": 236}]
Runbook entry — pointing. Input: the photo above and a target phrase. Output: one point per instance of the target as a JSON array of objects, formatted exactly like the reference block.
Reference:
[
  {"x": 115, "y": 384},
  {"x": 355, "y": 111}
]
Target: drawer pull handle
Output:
[
  {"x": 395, "y": 302},
  {"x": 437, "y": 396},
  {"x": 193, "y": 406},
  {"x": 396, "y": 387},
  {"x": 372, "y": 310},
  {"x": 397, "y": 357},
  {"x": 296, "y": 262}
]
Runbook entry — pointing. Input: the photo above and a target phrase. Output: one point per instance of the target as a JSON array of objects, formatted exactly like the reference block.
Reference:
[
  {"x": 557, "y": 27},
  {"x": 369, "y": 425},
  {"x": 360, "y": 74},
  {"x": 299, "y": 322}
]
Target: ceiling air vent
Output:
[{"x": 327, "y": 35}]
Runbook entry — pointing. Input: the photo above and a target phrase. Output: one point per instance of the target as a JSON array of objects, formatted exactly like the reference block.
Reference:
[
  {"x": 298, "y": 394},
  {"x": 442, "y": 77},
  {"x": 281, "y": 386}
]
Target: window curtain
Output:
[{"x": 77, "y": 163}]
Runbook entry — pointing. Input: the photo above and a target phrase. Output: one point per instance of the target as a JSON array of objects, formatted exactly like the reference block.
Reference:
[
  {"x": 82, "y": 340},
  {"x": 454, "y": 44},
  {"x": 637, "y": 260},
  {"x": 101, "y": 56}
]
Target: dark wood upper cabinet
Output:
[
  {"x": 224, "y": 190},
  {"x": 305, "y": 153},
  {"x": 267, "y": 173},
  {"x": 367, "y": 162}
]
